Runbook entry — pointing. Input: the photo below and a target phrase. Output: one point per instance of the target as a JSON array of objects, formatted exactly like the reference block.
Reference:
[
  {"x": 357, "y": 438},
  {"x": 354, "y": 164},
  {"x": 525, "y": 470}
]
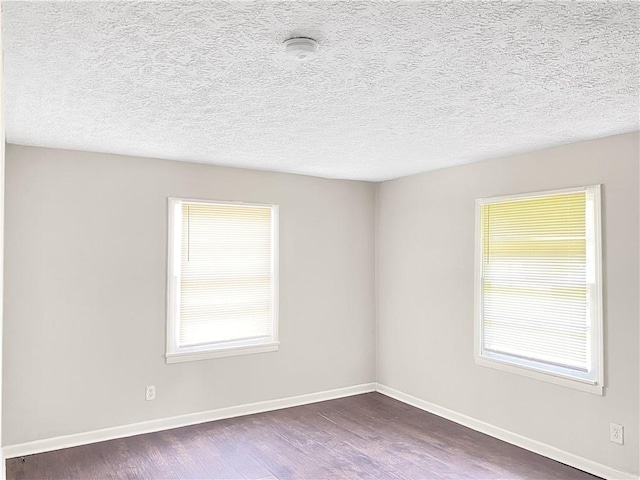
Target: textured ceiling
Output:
[{"x": 397, "y": 87}]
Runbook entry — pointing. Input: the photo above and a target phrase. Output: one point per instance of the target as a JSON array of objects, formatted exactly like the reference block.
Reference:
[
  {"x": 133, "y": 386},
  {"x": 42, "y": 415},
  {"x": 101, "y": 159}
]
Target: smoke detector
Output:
[{"x": 300, "y": 48}]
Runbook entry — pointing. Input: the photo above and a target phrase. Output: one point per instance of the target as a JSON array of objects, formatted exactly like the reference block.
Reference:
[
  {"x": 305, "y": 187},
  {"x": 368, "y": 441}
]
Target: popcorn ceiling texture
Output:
[{"x": 397, "y": 87}]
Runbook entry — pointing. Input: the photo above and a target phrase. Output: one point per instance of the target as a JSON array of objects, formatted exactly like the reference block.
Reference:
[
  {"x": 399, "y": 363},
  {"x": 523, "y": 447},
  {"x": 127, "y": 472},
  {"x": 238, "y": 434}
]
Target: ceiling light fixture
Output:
[{"x": 300, "y": 48}]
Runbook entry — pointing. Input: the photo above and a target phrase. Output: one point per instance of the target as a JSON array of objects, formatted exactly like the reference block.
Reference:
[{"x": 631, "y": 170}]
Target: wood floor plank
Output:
[{"x": 368, "y": 436}]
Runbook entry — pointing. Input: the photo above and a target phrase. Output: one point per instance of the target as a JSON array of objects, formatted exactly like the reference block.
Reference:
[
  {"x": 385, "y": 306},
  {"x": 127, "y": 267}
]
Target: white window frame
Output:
[
  {"x": 175, "y": 353},
  {"x": 593, "y": 382}
]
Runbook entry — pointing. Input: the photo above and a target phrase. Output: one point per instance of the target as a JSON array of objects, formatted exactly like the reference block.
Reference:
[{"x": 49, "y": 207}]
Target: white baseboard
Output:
[
  {"x": 56, "y": 443},
  {"x": 513, "y": 438}
]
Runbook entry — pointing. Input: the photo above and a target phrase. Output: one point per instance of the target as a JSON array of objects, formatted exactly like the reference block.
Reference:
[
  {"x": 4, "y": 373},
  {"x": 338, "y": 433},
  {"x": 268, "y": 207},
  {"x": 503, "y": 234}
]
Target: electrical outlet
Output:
[
  {"x": 150, "y": 392},
  {"x": 616, "y": 433}
]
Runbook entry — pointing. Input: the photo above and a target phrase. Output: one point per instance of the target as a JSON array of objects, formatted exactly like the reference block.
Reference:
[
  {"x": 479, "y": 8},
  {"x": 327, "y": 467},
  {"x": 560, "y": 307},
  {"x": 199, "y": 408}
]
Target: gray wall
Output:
[
  {"x": 85, "y": 291},
  {"x": 425, "y": 270},
  {"x": 2, "y": 149}
]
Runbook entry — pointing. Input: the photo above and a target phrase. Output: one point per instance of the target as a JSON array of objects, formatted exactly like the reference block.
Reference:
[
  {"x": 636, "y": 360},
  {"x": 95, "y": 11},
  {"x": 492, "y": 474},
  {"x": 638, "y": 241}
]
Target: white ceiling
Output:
[{"x": 397, "y": 87}]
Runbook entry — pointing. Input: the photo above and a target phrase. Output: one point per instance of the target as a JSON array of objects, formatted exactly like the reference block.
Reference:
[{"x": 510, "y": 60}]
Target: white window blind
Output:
[
  {"x": 223, "y": 276},
  {"x": 539, "y": 288}
]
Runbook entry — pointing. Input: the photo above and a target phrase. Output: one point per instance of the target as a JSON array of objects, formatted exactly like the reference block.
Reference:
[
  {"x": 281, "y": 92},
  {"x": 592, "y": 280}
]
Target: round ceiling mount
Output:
[{"x": 300, "y": 48}]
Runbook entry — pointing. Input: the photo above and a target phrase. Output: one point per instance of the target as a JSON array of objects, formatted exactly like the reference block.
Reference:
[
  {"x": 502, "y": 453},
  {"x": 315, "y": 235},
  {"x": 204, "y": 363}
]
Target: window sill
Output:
[
  {"x": 531, "y": 372},
  {"x": 222, "y": 351}
]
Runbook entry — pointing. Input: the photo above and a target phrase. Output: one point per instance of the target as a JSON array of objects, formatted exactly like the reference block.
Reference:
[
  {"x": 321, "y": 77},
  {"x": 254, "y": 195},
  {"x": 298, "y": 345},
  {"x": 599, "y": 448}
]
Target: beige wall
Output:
[
  {"x": 425, "y": 270},
  {"x": 85, "y": 291}
]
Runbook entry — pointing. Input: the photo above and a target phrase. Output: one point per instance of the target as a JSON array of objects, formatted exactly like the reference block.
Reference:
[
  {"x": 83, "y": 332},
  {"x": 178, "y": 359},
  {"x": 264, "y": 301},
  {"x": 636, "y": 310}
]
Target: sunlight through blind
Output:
[
  {"x": 537, "y": 271},
  {"x": 226, "y": 273}
]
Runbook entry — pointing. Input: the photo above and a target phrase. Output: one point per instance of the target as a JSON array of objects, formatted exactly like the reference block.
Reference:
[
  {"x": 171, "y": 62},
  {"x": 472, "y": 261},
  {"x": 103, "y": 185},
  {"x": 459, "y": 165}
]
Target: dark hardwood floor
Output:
[{"x": 367, "y": 436}]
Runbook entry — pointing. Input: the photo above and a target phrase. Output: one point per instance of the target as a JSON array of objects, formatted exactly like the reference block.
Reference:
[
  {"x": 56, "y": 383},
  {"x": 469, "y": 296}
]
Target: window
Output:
[
  {"x": 538, "y": 286},
  {"x": 222, "y": 279}
]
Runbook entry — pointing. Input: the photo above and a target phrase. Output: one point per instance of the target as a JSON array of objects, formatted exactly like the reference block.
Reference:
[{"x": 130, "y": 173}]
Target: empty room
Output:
[{"x": 320, "y": 240}]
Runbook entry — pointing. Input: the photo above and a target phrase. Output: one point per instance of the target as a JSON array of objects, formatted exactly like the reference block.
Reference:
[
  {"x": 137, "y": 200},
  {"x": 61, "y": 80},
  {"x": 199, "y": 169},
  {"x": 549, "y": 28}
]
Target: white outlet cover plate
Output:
[
  {"x": 616, "y": 433},
  {"x": 150, "y": 392}
]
